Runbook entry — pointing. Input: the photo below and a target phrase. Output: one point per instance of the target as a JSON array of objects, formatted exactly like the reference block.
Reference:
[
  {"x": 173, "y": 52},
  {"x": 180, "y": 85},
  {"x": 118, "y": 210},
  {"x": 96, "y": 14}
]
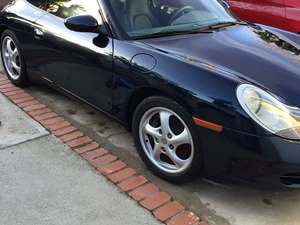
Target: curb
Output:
[{"x": 148, "y": 195}]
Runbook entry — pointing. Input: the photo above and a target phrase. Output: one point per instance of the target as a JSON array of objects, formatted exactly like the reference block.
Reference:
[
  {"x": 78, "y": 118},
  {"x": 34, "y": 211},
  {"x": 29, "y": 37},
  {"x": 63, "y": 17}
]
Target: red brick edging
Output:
[{"x": 140, "y": 189}]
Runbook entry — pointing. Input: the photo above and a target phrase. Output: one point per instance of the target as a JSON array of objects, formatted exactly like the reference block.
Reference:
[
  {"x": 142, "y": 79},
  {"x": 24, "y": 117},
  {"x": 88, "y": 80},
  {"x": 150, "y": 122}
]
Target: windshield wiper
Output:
[
  {"x": 205, "y": 29},
  {"x": 219, "y": 25},
  {"x": 172, "y": 33}
]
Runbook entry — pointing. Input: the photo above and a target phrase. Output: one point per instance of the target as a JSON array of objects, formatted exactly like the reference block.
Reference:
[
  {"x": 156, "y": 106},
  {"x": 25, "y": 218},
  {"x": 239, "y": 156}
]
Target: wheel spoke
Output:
[
  {"x": 8, "y": 47},
  {"x": 10, "y": 66},
  {"x": 164, "y": 121},
  {"x": 16, "y": 67},
  {"x": 156, "y": 151},
  {"x": 15, "y": 54},
  {"x": 152, "y": 131},
  {"x": 181, "y": 139},
  {"x": 14, "y": 61},
  {"x": 175, "y": 159},
  {"x": 6, "y": 55}
]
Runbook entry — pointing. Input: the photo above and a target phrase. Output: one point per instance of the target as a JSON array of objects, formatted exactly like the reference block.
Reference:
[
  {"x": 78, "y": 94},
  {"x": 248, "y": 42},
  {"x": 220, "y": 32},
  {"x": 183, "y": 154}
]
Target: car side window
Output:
[{"x": 67, "y": 8}]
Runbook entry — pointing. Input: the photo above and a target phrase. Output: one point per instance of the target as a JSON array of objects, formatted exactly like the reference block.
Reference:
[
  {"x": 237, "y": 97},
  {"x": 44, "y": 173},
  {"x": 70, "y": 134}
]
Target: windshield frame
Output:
[
  {"x": 110, "y": 22},
  {"x": 120, "y": 33}
]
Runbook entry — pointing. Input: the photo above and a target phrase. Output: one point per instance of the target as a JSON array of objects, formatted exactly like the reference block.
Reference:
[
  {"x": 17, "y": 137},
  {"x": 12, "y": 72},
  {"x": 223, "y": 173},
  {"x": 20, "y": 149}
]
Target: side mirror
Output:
[{"x": 84, "y": 23}]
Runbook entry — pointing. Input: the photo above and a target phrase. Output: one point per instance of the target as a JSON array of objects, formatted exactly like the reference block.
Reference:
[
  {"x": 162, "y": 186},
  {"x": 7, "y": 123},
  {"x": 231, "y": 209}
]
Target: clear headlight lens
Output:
[{"x": 269, "y": 112}]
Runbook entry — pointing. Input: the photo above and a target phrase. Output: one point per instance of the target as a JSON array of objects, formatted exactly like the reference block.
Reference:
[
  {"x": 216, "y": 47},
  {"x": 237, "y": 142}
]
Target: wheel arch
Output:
[
  {"x": 2, "y": 29},
  {"x": 141, "y": 94}
]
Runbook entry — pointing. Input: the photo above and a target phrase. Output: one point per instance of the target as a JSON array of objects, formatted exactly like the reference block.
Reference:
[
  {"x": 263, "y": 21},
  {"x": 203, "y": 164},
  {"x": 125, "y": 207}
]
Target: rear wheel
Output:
[
  {"x": 12, "y": 58},
  {"x": 165, "y": 139}
]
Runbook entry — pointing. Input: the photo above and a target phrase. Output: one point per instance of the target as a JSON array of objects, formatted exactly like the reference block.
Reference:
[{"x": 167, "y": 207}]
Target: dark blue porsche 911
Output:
[{"x": 203, "y": 92}]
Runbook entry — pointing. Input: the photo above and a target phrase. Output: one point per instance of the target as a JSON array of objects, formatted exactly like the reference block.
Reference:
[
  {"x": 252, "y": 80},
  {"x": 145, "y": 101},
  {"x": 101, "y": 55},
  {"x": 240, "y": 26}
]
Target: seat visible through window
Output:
[
  {"x": 140, "y": 15},
  {"x": 134, "y": 14}
]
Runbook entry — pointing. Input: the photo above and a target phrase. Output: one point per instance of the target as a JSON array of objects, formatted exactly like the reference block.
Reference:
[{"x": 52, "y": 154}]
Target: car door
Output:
[
  {"x": 79, "y": 63},
  {"x": 268, "y": 12},
  {"x": 236, "y": 6},
  {"x": 293, "y": 15}
]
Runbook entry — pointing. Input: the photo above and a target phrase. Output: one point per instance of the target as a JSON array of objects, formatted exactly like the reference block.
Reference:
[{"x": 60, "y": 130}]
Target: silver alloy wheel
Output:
[
  {"x": 168, "y": 143},
  {"x": 11, "y": 58}
]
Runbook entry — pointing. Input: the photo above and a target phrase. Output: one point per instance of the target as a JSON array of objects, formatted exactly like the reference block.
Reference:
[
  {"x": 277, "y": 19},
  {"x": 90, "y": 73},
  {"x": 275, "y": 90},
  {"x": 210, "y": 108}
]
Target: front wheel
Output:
[
  {"x": 12, "y": 59},
  {"x": 166, "y": 140}
]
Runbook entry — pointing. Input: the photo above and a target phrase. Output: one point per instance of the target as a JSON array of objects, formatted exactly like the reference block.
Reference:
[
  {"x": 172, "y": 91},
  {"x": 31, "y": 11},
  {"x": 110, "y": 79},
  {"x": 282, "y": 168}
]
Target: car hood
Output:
[{"x": 265, "y": 57}]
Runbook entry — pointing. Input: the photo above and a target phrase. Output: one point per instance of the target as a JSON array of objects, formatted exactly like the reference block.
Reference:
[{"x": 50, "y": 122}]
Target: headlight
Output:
[{"x": 269, "y": 112}]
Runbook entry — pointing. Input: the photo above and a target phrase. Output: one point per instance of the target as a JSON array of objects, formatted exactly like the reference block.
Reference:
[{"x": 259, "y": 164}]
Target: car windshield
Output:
[{"x": 144, "y": 18}]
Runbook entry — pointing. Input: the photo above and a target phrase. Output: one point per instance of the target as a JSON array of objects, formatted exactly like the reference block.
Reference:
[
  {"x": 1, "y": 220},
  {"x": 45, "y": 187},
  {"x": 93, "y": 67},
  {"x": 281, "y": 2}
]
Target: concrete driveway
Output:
[{"x": 218, "y": 204}]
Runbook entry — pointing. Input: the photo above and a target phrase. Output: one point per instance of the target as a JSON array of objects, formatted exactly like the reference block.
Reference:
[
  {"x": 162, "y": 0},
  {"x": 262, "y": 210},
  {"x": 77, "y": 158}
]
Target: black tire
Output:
[
  {"x": 22, "y": 80},
  {"x": 195, "y": 167}
]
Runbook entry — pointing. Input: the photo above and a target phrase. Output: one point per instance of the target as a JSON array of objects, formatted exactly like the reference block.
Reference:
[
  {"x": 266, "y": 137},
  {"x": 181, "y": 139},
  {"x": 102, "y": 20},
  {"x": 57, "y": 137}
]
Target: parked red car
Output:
[{"x": 284, "y": 14}]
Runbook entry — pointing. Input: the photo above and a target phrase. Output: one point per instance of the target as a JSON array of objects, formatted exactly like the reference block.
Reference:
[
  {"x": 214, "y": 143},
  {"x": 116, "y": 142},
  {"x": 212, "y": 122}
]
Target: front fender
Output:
[{"x": 206, "y": 91}]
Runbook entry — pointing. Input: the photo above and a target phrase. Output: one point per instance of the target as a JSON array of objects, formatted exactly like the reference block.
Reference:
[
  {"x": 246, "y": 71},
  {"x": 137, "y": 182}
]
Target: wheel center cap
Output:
[{"x": 164, "y": 141}]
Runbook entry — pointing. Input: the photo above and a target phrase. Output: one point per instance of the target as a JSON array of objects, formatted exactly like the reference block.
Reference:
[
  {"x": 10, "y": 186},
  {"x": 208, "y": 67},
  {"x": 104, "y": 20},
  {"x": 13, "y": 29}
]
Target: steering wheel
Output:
[{"x": 180, "y": 12}]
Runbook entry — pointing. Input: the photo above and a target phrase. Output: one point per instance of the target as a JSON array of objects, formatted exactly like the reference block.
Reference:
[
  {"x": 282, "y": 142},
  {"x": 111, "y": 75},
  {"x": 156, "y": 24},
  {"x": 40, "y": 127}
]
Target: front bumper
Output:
[{"x": 267, "y": 160}]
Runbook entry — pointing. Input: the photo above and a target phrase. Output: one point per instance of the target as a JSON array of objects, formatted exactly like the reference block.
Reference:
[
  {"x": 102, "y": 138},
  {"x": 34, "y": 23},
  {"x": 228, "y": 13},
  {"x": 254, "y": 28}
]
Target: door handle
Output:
[{"x": 38, "y": 34}]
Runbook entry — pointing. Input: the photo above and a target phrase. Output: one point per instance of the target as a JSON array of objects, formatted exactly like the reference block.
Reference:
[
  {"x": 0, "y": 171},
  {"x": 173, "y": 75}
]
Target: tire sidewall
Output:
[
  {"x": 157, "y": 101},
  {"x": 22, "y": 80}
]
